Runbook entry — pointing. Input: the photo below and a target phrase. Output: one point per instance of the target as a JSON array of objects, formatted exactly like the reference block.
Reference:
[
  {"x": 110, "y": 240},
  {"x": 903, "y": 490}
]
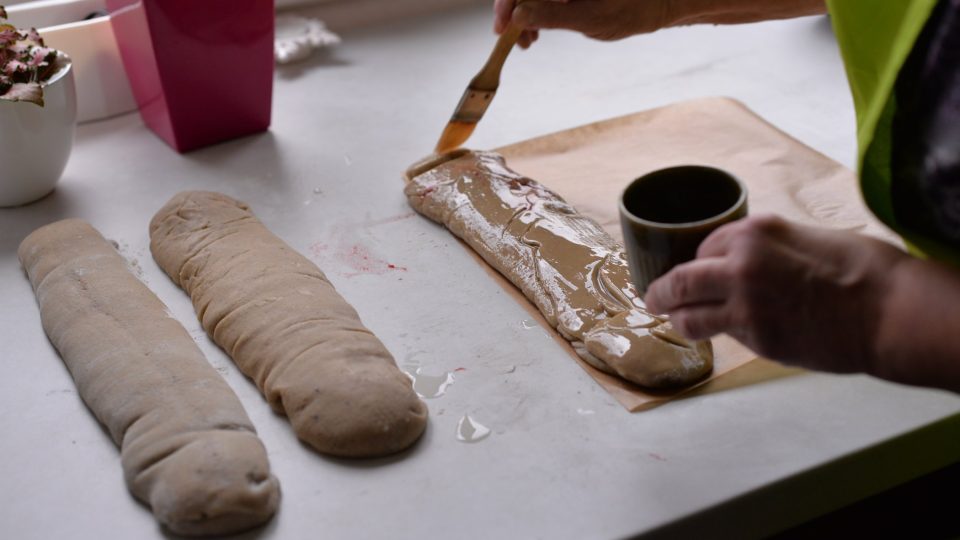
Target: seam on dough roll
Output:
[
  {"x": 562, "y": 261},
  {"x": 286, "y": 327},
  {"x": 187, "y": 447}
]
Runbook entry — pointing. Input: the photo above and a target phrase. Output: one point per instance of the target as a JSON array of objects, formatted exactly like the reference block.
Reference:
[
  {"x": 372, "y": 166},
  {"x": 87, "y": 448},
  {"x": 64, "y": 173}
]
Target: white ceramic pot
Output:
[
  {"x": 102, "y": 87},
  {"x": 35, "y": 142}
]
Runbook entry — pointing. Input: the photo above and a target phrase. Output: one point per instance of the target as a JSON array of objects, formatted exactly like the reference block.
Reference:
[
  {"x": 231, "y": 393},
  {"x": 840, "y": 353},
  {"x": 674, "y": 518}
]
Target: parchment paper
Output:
[{"x": 590, "y": 166}]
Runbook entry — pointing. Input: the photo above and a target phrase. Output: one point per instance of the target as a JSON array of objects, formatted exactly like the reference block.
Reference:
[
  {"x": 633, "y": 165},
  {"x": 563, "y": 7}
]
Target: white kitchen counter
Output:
[{"x": 564, "y": 460}]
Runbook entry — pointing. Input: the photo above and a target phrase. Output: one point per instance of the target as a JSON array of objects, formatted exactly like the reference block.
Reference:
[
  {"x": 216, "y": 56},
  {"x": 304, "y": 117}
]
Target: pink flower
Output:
[
  {"x": 13, "y": 67},
  {"x": 39, "y": 55},
  {"x": 34, "y": 36},
  {"x": 25, "y": 63}
]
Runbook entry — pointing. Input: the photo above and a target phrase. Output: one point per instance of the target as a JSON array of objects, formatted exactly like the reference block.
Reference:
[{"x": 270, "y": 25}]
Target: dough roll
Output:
[
  {"x": 187, "y": 447},
  {"x": 286, "y": 327},
  {"x": 562, "y": 261}
]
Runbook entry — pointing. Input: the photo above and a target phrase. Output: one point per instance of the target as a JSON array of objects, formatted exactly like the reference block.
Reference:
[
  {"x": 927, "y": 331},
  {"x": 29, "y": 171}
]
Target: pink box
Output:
[{"x": 201, "y": 70}]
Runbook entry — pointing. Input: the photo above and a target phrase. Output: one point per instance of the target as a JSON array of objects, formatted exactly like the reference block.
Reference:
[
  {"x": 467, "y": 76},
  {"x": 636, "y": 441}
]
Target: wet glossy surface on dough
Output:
[{"x": 564, "y": 262}]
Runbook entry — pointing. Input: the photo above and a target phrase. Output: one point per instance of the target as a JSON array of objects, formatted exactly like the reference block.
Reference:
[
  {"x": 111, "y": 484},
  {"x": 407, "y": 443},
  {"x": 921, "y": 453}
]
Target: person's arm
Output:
[
  {"x": 616, "y": 19},
  {"x": 918, "y": 339},
  {"x": 685, "y": 12},
  {"x": 828, "y": 300}
]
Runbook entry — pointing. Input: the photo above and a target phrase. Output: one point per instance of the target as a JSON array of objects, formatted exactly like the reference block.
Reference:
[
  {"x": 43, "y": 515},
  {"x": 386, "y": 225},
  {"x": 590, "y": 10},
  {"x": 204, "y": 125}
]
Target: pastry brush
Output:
[{"x": 479, "y": 93}]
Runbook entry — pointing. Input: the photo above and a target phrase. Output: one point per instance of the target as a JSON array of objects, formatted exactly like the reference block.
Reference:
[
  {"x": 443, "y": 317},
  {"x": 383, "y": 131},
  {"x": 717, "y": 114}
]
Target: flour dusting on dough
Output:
[{"x": 562, "y": 261}]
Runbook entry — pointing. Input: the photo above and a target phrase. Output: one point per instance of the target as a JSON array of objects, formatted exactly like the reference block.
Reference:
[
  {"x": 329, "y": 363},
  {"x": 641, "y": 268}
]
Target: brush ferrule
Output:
[{"x": 472, "y": 105}]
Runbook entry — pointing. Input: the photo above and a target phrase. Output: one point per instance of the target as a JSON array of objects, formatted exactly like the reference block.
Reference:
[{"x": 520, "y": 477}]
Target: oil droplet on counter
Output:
[
  {"x": 469, "y": 430},
  {"x": 317, "y": 191},
  {"x": 528, "y": 324},
  {"x": 585, "y": 412},
  {"x": 430, "y": 386},
  {"x": 509, "y": 369}
]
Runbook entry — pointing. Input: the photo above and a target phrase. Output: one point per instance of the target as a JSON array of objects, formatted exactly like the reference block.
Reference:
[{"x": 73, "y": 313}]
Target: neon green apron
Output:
[{"x": 875, "y": 38}]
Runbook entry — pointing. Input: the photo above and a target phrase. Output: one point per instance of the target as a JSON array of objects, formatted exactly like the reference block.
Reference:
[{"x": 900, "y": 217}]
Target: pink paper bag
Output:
[{"x": 201, "y": 70}]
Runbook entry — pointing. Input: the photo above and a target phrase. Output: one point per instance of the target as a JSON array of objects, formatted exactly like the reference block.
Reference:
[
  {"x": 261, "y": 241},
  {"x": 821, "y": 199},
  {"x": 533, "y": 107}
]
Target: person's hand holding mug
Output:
[{"x": 792, "y": 293}]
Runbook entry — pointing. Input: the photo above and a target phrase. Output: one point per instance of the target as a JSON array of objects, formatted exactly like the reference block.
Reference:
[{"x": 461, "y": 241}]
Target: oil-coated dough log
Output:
[
  {"x": 564, "y": 263},
  {"x": 286, "y": 327},
  {"x": 187, "y": 447}
]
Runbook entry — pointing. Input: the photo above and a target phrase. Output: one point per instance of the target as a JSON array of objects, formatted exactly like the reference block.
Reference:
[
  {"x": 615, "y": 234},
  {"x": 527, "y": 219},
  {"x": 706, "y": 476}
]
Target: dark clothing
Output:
[{"x": 926, "y": 130}]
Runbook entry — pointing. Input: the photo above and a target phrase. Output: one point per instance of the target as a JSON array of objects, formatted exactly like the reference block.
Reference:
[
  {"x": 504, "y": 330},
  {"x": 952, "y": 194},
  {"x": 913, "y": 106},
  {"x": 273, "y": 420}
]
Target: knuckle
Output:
[
  {"x": 524, "y": 15},
  {"x": 749, "y": 252},
  {"x": 744, "y": 267},
  {"x": 679, "y": 286},
  {"x": 765, "y": 223},
  {"x": 708, "y": 245}
]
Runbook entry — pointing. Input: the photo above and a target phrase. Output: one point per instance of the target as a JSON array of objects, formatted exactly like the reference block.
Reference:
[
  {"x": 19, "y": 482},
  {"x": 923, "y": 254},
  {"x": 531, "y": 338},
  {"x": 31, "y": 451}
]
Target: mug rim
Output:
[{"x": 741, "y": 200}]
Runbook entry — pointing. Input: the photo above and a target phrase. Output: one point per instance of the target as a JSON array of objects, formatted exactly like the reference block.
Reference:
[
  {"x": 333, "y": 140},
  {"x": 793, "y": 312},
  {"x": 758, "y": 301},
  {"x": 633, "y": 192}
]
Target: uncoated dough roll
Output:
[
  {"x": 187, "y": 447},
  {"x": 283, "y": 323}
]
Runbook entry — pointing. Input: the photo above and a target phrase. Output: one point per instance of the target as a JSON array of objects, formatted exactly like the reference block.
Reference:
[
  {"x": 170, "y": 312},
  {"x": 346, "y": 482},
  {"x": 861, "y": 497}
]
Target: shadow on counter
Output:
[{"x": 25, "y": 219}]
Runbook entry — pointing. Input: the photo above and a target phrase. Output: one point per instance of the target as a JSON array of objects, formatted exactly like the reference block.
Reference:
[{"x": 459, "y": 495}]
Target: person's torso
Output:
[
  {"x": 902, "y": 61},
  {"x": 925, "y": 162}
]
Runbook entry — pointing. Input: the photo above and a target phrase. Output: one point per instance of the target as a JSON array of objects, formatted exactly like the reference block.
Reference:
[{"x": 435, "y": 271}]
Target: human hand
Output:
[
  {"x": 609, "y": 20},
  {"x": 605, "y": 20},
  {"x": 792, "y": 293}
]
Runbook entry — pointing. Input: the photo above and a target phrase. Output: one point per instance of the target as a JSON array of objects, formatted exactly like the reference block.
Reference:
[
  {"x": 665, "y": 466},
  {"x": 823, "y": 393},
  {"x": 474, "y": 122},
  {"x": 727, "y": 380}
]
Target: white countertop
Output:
[{"x": 564, "y": 460}]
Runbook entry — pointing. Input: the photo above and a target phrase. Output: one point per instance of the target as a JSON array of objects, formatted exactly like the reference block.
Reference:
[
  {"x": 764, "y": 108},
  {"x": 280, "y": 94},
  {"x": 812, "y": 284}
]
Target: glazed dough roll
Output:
[
  {"x": 187, "y": 447},
  {"x": 286, "y": 327},
  {"x": 563, "y": 261}
]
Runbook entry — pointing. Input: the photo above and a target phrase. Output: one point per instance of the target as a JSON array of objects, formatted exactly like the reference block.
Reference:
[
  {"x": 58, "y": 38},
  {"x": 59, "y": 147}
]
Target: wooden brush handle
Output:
[{"x": 489, "y": 76}]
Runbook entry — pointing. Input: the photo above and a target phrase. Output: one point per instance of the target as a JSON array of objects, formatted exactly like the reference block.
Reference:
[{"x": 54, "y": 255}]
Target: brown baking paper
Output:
[{"x": 589, "y": 166}]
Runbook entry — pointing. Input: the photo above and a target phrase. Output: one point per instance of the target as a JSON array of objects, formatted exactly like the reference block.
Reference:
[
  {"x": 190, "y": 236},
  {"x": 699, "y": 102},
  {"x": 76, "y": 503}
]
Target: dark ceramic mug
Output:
[{"x": 666, "y": 214}]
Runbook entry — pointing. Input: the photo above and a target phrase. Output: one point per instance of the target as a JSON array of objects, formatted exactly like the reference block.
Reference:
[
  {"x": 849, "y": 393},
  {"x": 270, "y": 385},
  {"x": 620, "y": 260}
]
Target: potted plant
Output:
[{"x": 38, "y": 110}]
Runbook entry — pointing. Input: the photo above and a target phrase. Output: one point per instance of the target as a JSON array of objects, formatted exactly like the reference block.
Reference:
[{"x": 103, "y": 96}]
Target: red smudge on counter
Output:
[
  {"x": 357, "y": 258},
  {"x": 317, "y": 249},
  {"x": 388, "y": 220},
  {"x": 354, "y": 258}
]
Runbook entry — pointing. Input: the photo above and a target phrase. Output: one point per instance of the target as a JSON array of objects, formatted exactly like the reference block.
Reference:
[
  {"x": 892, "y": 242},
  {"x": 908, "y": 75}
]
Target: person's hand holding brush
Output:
[{"x": 610, "y": 20}]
